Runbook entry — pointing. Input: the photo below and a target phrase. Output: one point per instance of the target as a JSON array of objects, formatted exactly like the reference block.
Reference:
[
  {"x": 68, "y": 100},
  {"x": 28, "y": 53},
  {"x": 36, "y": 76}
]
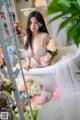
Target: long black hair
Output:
[{"x": 42, "y": 28}]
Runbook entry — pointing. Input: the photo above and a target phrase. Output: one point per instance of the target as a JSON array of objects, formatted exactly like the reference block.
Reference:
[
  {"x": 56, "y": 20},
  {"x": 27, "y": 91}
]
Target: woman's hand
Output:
[{"x": 27, "y": 64}]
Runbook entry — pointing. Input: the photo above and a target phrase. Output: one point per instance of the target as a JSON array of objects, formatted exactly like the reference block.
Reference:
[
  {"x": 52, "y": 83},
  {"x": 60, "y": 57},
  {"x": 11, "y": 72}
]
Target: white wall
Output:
[
  {"x": 61, "y": 36},
  {"x": 53, "y": 27}
]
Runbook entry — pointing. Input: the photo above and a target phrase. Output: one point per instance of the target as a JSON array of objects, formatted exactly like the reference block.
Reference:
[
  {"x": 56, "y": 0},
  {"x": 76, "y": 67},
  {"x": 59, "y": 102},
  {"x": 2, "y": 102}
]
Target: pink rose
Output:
[
  {"x": 44, "y": 59},
  {"x": 37, "y": 100},
  {"x": 56, "y": 93}
]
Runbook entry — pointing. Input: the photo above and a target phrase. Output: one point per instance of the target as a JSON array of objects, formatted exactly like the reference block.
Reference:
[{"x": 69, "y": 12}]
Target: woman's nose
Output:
[{"x": 33, "y": 25}]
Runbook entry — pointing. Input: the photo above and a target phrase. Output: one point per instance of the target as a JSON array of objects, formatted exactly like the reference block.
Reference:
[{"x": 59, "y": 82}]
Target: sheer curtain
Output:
[
  {"x": 63, "y": 75},
  {"x": 67, "y": 107}
]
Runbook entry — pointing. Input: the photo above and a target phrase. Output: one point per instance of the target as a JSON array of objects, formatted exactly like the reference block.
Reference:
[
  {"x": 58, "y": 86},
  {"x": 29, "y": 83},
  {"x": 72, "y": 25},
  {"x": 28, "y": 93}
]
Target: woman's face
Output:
[{"x": 34, "y": 25}]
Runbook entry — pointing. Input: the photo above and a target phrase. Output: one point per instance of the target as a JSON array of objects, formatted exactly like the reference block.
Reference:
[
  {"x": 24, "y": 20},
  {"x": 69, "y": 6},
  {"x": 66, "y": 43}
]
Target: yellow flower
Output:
[{"x": 52, "y": 46}]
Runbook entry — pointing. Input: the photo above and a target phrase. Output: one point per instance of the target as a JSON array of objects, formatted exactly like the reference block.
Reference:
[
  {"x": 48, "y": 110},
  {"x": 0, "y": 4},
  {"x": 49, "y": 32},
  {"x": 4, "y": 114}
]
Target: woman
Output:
[{"x": 36, "y": 40}]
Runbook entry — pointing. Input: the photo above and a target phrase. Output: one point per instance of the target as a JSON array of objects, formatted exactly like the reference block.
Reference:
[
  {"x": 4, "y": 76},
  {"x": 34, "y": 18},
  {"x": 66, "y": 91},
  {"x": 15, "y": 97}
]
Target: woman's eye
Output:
[{"x": 36, "y": 23}]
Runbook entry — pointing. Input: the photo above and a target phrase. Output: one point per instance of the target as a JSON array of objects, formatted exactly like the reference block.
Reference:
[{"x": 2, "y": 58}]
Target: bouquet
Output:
[
  {"x": 51, "y": 53},
  {"x": 52, "y": 48},
  {"x": 35, "y": 89}
]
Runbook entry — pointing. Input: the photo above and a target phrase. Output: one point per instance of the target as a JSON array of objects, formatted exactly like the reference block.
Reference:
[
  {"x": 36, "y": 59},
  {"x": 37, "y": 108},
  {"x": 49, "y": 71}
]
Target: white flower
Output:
[{"x": 52, "y": 46}]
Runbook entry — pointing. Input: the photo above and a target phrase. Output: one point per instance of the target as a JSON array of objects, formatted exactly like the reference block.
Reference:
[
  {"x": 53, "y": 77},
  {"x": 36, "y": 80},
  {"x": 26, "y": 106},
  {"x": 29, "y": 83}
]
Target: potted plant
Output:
[{"x": 69, "y": 10}]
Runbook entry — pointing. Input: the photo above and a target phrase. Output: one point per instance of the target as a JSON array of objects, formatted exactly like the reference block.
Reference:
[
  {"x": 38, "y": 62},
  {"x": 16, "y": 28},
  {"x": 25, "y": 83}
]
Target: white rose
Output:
[{"x": 52, "y": 46}]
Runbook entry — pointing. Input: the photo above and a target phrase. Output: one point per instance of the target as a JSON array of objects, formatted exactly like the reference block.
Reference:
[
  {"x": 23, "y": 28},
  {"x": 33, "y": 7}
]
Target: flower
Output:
[
  {"x": 44, "y": 59},
  {"x": 56, "y": 93},
  {"x": 1, "y": 62},
  {"x": 51, "y": 52},
  {"x": 38, "y": 100},
  {"x": 52, "y": 48}
]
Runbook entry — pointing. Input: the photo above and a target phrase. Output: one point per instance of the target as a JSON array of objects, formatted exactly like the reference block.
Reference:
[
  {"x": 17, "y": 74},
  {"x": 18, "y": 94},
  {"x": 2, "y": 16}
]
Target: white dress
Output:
[{"x": 39, "y": 51}]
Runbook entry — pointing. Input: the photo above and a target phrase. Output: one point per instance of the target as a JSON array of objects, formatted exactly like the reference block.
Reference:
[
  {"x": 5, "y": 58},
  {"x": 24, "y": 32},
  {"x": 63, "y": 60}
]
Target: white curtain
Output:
[
  {"x": 67, "y": 107},
  {"x": 63, "y": 75}
]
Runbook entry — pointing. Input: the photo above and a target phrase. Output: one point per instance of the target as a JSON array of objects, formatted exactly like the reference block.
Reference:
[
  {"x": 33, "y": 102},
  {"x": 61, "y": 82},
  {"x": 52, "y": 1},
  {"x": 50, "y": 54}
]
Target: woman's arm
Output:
[
  {"x": 27, "y": 64},
  {"x": 28, "y": 55}
]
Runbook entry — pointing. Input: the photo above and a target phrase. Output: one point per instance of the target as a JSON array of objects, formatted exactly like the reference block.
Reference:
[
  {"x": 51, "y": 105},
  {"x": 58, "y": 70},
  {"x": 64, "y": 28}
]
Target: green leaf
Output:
[
  {"x": 60, "y": 9},
  {"x": 68, "y": 21},
  {"x": 57, "y": 16},
  {"x": 53, "y": 53},
  {"x": 71, "y": 33},
  {"x": 78, "y": 72},
  {"x": 76, "y": 37},
  {"x": 56, "y": 7}
]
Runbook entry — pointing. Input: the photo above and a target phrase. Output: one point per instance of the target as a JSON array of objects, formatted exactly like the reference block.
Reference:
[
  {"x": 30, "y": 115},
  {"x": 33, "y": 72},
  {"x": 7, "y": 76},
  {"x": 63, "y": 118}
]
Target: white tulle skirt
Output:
[{"x": 63, "y": 75}]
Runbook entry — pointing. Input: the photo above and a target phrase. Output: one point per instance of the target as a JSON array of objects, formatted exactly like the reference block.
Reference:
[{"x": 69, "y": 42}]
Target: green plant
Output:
[
  {"x": 26, "y": 111},
  {"x": 5, "y": 90},
  {"x": 78, "y": 72},
  {"x": 69, "y": 10}
]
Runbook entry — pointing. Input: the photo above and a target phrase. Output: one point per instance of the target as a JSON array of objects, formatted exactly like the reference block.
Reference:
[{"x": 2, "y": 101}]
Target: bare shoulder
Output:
[{"x": 45, "y": 35}]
